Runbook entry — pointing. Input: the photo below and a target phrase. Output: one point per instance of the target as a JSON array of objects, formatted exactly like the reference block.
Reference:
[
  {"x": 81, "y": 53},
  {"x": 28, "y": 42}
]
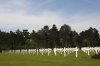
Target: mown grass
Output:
[{"x": 45, "y": 60}]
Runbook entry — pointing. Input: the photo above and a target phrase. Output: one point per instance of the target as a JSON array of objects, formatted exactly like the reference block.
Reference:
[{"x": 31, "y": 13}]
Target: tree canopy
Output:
[{"x": 49, "y": 38}]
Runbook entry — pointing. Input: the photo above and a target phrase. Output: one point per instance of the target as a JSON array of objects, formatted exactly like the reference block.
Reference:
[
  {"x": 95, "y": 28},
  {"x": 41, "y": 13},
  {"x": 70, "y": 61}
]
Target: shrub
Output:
[{"x": 96, "y": 56}]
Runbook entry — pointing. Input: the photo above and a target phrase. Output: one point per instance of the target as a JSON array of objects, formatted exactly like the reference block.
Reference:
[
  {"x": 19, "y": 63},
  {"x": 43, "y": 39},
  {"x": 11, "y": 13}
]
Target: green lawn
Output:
[{"x": 45, "y": 60}]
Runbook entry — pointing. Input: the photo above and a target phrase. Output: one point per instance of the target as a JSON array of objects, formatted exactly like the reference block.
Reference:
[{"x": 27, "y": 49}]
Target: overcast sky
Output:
[{"x": 34, "y": 14}]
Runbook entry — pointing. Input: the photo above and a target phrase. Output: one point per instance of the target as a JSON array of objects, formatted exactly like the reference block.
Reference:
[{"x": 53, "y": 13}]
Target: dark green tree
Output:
[
  {"x": 54, "y": 36},
  {"x": 65, "y": 35},
  {"x": 90, "y": 37}
]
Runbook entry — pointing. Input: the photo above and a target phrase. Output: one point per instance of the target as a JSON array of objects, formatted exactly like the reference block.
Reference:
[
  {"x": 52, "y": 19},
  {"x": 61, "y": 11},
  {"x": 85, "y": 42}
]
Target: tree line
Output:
[{"x": 49, "y": 38}]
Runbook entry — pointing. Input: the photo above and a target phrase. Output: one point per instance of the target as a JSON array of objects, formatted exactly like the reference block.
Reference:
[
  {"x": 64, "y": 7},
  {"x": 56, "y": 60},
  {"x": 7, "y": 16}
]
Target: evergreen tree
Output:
[{"x": 54, "y": 36}]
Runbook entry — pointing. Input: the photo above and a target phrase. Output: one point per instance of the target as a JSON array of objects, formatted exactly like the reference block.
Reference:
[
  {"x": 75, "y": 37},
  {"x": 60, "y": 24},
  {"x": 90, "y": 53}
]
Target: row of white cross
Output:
[
  {"x": 90, "y": 49},
  {"x": 55, "y": 51},
  {"x": 44, "y": 51},
  {"x": 66, "y": 50}
]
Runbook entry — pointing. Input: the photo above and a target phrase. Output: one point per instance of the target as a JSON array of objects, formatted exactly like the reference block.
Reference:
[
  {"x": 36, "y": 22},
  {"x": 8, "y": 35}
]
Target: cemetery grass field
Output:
[{"x": 45, "y": 60}]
